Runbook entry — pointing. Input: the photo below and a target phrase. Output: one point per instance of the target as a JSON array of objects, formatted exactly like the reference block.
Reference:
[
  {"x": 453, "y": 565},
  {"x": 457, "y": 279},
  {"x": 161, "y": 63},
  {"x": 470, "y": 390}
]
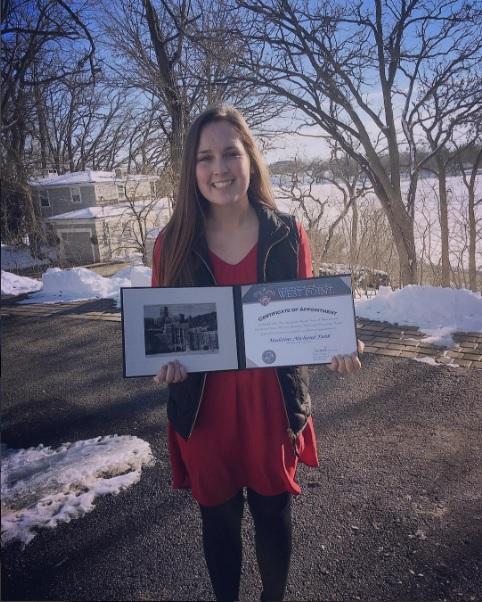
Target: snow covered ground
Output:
[
  {"x": 75, "y": 284},
  {"x": 43, "y": 486},
  {"x": 438, "y": 312},
  {"x": 426, "y": 223},
  {"x": 13, "y": 258},
  {"x": 16, "y": 285}
]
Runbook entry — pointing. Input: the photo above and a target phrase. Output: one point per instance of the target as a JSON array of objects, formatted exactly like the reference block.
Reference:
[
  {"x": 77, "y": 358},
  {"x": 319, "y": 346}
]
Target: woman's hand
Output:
[
  {"x": 347, "y": 364},
  {"x": 170, "y": 373}
]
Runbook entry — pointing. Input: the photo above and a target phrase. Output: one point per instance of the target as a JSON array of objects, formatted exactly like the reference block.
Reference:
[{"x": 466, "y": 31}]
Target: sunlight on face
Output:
[{"x": 222, "y": 165}]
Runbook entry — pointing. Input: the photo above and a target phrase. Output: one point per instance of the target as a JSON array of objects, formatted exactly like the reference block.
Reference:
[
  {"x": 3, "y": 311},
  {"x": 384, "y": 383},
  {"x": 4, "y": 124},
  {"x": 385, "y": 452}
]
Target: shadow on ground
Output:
[{"x": 393, "y": 512}]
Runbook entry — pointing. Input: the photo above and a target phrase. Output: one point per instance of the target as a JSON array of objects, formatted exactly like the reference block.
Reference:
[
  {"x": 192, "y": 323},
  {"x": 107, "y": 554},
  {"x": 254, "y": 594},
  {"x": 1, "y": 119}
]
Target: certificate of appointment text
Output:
[{"x": 298, "y": 322}]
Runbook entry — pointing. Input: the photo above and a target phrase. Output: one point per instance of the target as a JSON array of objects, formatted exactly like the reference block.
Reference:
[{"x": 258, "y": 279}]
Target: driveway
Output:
[{"x": 393, "y": 513}]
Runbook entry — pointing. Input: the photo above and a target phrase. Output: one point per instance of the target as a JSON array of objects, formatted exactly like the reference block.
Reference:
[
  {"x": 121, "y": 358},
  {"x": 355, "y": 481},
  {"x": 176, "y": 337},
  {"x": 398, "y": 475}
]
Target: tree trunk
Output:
[
  {"x": 33, "y": 225},
  {"x": 444, "y": 221},
  {"x": 42, "y": 127},
  {"x": 401, "y": 226},
  {"x": 316, "y": 257},
  {"x": 170, "y": 90},
  {"x": 177, "y": 141},
  {"x": 70, "y": 153},
  {"x": 32, "y": 219},
  {"x": 472, "y": 238},
  {"x": 354, "y": 233}
]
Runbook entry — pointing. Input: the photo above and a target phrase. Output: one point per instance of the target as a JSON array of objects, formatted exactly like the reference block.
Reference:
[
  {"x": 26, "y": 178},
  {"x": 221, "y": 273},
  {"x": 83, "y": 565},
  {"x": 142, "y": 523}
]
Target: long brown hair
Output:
[{"x": 191, "y": 208}]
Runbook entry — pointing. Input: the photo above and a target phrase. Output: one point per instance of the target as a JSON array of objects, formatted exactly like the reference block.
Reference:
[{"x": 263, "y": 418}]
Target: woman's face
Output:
[{"x": 222, "y": 165}]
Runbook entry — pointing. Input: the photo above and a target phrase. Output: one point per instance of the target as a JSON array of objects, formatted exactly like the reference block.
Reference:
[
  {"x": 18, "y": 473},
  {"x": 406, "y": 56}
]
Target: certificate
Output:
[
  {"x": 298, "y": 322},
  {"x": 207, "y": 329}
]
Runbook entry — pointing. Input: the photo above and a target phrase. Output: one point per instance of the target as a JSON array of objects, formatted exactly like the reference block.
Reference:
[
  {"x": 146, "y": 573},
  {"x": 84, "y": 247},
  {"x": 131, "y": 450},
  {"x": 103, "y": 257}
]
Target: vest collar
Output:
[
  {"x": 271, "y": 228},
  {"x": 271, "y": 231}
]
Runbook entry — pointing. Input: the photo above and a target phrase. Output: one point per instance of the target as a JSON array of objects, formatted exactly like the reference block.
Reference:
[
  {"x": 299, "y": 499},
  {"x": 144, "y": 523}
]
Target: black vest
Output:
[{"x": 277, "y": 259}]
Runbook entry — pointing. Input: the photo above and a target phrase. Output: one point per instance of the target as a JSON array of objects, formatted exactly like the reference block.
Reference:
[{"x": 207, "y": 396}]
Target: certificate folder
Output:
[{"x": 207, "y": 329}]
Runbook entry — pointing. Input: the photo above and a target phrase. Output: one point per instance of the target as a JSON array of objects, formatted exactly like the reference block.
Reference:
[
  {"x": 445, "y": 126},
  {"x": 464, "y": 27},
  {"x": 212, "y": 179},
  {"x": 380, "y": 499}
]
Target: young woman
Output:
[{"x": 243, "y": 429}]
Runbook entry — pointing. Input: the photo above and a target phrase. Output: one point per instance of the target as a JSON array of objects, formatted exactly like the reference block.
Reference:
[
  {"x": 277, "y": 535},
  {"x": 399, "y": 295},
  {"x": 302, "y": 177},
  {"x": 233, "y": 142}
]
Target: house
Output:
[
  {"x": 97, "y": 215},
  {"x": 77, "y": 190},
  {"x": 107, "y": 233}
]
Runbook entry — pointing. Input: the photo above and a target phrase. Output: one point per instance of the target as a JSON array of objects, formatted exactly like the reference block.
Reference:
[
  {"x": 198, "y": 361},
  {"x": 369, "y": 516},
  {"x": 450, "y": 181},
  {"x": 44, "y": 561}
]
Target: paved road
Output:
[{"x": 394, "y": 512}]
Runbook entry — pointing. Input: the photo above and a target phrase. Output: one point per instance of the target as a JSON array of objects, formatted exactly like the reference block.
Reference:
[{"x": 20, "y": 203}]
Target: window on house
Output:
[
  {"x": 75, "y": 195},
  {"x": 121, "y": 191},
  {"x": 43, "y": 196}
]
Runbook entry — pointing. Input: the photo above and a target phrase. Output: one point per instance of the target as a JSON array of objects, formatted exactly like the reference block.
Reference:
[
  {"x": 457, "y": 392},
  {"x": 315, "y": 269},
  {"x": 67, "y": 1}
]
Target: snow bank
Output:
[
  {"x": 137, "y": 275},
  {"x": 438, "y": 312},
  {"x": 43, "y": 486},
  {"x": 16, "y": 285},
  {"x": 78, "y": 284}
]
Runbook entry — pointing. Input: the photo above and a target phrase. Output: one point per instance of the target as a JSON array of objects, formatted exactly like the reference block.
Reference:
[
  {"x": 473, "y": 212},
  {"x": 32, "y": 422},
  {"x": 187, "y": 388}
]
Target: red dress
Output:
[{"x": 240, "y": 438}]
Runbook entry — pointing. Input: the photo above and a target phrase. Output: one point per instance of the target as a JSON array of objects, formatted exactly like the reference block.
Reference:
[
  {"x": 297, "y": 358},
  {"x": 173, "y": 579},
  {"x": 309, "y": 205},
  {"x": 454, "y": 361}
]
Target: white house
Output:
[
  {"x": 107, "y": 233},
  {"x": 96, "y": 216}
]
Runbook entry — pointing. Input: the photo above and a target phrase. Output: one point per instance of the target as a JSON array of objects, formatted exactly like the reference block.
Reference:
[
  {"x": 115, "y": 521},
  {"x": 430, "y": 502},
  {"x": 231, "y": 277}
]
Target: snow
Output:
[
  {"x": 16, "y": 285},
  {"x": 426, "y": 222},
  {"x": 17, "y": 257},
  {"x": 437, "y": 311},
  {"x": 44, "y": 486},
  {"x": 153, "y": 234},
  {"x": 427, "y": 360},
  {"x": 81, "y": 284}
]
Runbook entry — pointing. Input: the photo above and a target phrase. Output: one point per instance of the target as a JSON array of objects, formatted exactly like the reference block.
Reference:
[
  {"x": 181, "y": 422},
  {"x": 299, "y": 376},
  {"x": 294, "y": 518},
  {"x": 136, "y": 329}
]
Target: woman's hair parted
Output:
[{"x": 188, "y": 218}]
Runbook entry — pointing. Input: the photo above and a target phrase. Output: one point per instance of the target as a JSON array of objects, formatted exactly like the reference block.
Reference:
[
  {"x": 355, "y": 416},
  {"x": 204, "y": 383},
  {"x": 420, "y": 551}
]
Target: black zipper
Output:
[
  {"x": 205, "y": 374},
  {"x": 292, "y": 435}
]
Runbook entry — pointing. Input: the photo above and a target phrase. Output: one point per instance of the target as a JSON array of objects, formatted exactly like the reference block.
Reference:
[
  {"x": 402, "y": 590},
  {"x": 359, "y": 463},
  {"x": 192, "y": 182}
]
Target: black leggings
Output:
[{"x": 222, "y": 543}]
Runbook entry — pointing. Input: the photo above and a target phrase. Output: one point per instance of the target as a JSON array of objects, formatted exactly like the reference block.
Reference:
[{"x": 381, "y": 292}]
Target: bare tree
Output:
[
  {"x": 182, "y": 55},
  {"x": 33, "y": 56},
  {"x": 446, "y": 105},
  {"x": 84, "y": 125},
  {"x": 348, "y": 176},
  {"x": 139, "y": 215},
  {"x": 426, "y": 234},
  {"x": 148, "y": 148},
  {"x": 376, "y": 247},
  {"x": 151, "y": 45},
  {"x": 296, "y": 186},
  {"x": 321, "y": 213},
  {"x": 319, "y": 55},
  {"x": 469, "y": 172}
]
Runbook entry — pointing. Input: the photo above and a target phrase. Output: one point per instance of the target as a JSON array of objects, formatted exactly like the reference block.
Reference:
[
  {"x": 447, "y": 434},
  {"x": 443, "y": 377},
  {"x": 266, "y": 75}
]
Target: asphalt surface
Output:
[{"x": 393, "y": 513}]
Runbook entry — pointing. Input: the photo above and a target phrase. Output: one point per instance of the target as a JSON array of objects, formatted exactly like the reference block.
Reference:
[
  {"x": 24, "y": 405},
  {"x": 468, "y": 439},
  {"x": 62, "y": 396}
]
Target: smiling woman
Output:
[{"x": 236, "y": 430}]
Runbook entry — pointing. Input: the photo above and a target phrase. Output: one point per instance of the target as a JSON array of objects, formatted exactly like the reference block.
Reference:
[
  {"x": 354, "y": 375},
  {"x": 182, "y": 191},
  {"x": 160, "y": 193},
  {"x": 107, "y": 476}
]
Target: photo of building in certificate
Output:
[{"x": 180, "y": 328}]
